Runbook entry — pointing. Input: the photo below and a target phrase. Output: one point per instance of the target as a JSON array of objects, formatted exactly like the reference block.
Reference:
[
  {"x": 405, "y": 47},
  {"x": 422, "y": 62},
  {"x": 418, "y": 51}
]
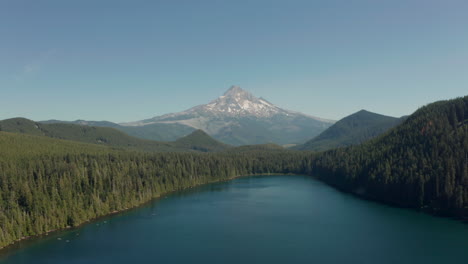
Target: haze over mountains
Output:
[{"x": 237, "y": 118}]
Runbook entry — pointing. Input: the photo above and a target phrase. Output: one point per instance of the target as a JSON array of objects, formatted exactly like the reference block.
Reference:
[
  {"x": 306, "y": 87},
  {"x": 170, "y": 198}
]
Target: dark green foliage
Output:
[
  {"x": 422, "y": 163},
  {"x": 94, "y": 135},
  {"x": 200, "y": 141},
  {"x": 157, "y": 132},
  {"x": 108, "y": 136},
  {"x": 47, "y": 184},
  {"x": 262, "y": 147},
  {"x": 351, "y": 130},
  {"x": 21, "y": 125}
]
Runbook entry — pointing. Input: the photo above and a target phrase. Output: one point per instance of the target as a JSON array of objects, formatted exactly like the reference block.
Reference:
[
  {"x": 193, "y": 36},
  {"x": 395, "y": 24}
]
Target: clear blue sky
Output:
[{"x": 130, "y": 60}]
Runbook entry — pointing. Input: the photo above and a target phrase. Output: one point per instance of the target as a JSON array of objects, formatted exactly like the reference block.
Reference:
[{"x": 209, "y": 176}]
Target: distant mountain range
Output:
[
  {"x": 157, "y": 132},
  {"x": 236, "y": 118},
  {"x": 351, "y": 130},
  {"x": 108, "y": 136}
]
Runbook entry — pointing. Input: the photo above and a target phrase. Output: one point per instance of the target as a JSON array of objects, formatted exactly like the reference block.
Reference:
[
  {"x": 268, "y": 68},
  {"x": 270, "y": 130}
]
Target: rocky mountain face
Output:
[{"x": 239, "y": 118}]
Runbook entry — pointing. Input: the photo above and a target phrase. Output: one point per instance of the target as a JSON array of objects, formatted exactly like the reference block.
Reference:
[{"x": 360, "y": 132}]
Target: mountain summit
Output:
[
  {"x": 239, "y": 118},
  {"x": 236, "y": 90},
  {"x": 238, "y": 102}
]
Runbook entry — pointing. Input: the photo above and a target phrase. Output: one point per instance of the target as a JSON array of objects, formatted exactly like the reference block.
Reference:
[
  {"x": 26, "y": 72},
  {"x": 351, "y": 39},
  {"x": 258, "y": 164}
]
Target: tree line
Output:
[
  {"x": 423, "y": 163},
  {"x": 48, "y": 184}
]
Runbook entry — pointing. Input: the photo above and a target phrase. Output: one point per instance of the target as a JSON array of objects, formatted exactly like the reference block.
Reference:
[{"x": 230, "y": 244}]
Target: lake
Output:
[{"x": 267, "y": 219}]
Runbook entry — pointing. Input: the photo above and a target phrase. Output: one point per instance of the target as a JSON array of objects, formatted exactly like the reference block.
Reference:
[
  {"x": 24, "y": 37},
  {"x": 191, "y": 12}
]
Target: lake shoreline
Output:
[
  {"x": 17, "y": 243},
  {"x": 275, "y": 219},
  {"x": 436, "y": 212}
]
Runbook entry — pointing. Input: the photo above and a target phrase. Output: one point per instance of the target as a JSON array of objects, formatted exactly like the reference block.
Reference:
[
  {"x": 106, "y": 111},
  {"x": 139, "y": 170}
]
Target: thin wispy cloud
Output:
[
  {"x": 32, "y": 67},
  {"x": 36, "y": 65}
]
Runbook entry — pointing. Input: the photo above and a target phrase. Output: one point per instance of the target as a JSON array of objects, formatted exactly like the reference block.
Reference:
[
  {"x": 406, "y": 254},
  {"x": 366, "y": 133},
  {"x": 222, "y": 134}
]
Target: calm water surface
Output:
[{"x": 270, "y": 219}]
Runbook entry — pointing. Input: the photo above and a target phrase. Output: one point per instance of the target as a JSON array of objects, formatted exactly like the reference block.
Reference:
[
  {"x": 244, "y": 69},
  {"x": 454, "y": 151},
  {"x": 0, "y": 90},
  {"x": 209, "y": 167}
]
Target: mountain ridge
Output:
[
  {"x": 199, "y": 140},
  {"x": 351, "y": 130},
  {"x": 421, "y": 163},
  {"x": 109, "y": 136}
]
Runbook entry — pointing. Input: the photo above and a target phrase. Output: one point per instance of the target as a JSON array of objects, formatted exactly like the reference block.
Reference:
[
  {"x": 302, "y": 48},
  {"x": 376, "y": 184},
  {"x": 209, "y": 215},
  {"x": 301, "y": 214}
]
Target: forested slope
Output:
[
  {"x": 198, "y": 140},
  {"x": 110, "y": 136},
  {"x": 157, "y": 132},
  {"x": 422, "y": 163},
  {"x": 351, "y": 130},
  {"x": 47, "y": 184}
]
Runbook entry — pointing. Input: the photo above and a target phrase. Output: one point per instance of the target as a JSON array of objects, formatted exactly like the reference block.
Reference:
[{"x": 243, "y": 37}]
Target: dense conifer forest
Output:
[
  {"x": 107, "y": 136},
  {"x": 351, "y": 130},
  {"x": 422, "y": 163},
  {"x": 48, "y": 184}
]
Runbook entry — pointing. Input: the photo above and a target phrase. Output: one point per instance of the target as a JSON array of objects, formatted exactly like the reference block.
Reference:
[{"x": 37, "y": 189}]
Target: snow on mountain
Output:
[
  {"x": 235, "y": 102},
  {"x": 238, "y": 117}
]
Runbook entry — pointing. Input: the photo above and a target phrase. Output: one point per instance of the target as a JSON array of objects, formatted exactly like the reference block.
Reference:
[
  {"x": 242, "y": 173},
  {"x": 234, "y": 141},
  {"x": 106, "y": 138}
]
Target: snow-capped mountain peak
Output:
[
  {"x": 238, "y": 102},
  {"x": 237, "y": 92},
  {"x": 238, "y": 117}
]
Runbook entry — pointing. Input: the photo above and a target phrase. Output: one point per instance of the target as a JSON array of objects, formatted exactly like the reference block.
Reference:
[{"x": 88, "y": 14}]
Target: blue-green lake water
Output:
[{"x": 268, "y": 219}]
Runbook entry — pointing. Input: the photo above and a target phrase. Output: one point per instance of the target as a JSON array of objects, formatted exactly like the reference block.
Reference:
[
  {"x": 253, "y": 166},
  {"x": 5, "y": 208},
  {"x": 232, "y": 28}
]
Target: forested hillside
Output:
[
  {"x": 157, "y": 132},
  {"x": 351, "y": 130},
  {"x": 200, "y": 141},
  {"x": 47, "y": 184},
  {"x": 423, "y": 163},
  {"x": 109, "y": 136}
]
